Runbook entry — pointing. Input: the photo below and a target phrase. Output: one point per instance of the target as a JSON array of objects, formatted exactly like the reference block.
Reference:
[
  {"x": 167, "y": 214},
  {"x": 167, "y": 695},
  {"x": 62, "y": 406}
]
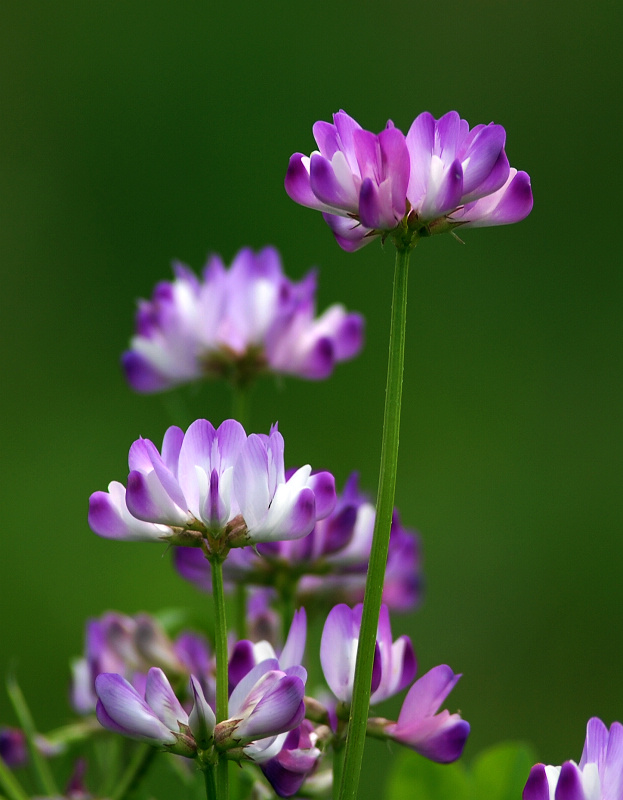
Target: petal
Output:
[
  {"x": 162, "y": 700},
  {"x": 250, "y": 481},
  {"x": 147, "y": 499},
  {"x": 202, "y": 720},
  {"x": 121, "y": 710},
  {"x": 323, "y": 486},
  {"x": 280, "y": 709},
  {"x": 294, "y": 648},
  {"x": 110, "y": 518},
  {"x": 537, "y": 785},
  {"x": 338, "y": 651},
  {"x": 569, "y": 786},
  {"x": 428, "y": 693},
  {"x": 333, "y": 183},
  {"x": 297, "y": 183},
  {"x": 512, "y": 203}
]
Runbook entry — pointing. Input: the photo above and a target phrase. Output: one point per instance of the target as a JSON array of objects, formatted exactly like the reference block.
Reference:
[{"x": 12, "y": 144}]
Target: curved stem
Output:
[
  {"x": 222, "y": 678},
  {"x": 380, "y": 542}
]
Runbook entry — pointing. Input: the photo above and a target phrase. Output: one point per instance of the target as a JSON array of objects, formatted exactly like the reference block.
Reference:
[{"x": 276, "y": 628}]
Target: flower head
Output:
[
  {"x": 440, "y": 175},
  {"x": 598, "y": 776},
  {"x": 332, "y": 561},
  {"x": 212, "y": 487},
  {"x": 439, "y": 736},
  {"x": 237, "y": 323}
]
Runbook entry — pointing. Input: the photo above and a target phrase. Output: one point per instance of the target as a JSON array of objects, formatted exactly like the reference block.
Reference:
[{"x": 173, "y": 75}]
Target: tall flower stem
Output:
[
  {"x": 380, "y": 542},
  {"x": 220, "y": 637}
]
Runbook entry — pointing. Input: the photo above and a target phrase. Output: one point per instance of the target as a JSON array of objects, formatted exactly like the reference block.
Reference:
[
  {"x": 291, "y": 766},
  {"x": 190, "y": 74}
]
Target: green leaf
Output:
[{"x": 498, "y": 773}]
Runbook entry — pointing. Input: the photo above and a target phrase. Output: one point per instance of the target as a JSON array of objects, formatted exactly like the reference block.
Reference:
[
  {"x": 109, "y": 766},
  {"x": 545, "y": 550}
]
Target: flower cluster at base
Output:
[
  {"x": 237, "y": 324},
  {"x": 327, "y": 566},
  {"x": 598, "y": 776},
  {"x": 214, "y": 489},
  {"x": 439, "y": 176}
]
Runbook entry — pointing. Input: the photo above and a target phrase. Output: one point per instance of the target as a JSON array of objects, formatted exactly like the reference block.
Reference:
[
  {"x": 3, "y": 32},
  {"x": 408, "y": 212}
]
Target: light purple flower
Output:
[
  {"x": 237, "y": 323},
  {"x": 598, "y": 776},
  {"x": 440, "y": 175},
  {"x": 214, "y": 483},
  {"x": 296, "y": 761},
  {"x": 246, "y": 655},
  {"x": 158, "y": 719},
  {"x": 439, "y": 736},
  {"x": 332, "y": 561}
]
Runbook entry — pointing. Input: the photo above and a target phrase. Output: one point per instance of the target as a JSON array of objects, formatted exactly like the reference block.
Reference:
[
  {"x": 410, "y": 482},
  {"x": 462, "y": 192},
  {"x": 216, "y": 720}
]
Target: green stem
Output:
[
  {"x": 42, "y": 769},
  {"x": 240, "y": 404},
  {"x": 135, "y": 770},
  {"x": 222, "y": 678},
  {"x": 210, "y": 782},
  {"x": 10, "y": 784},
  {"x": 380, "y": 542},
  {"x": 338, "y": 769}
]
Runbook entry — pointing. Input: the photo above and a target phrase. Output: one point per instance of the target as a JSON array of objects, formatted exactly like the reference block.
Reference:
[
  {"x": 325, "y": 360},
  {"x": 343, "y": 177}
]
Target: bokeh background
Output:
[{"x": 134, "y": 133}]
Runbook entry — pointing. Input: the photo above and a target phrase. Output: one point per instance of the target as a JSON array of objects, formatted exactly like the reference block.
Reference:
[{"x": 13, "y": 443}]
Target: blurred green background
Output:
[{"x": 134, "y": 133}]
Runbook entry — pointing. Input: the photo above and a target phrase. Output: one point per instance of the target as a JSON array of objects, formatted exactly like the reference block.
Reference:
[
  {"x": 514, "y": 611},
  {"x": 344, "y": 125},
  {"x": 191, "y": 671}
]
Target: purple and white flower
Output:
[
  {"x": 237, "y": 323},
  {"x": 332, "y": 561},
  {"x": 213, "y": 483},
  {"x": 440, "y": 175},
  {"x": 598, "y": 776},
  {"x": 296, "y": 761},
  {"x": 157, "y": 719},
  {"x": 439, "y": 736},
  {"x": 394, "y": 662}
]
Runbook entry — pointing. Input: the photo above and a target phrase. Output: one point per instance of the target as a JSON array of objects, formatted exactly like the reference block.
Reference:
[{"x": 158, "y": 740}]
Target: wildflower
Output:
[
  {"x": 439, "y": 736},
  {"x": 440, "y": 175},
  {"x": 330, "y": 563},
  {"x": 598, "y": 776},
  {"x": 394, "y": 662},
  {"x": 295, "y": 762},
  {"x": 159, "y": 719},
  {"x": 13, "y": 749},
  {"x": 237, "y": 323},
  {"x": 214, "y": 488}
]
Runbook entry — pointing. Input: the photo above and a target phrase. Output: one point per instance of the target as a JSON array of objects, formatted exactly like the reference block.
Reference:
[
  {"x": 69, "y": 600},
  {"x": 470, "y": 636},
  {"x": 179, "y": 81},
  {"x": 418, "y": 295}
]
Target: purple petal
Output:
[
  {"x": 512, "y": 203},
  {"x": 294, "y": 648},
  {"x": 241, "y": 662},
  {"x": 147, "y": 500},
  {"x": 121, "y": 710},
  {"x": 142, "y": 375},
  {"x": 280, "y": 709},
  {"x": 596, "y": 743},
  {"x": 202, "y": 719},
  {"x": 337, "y": 191},
  {"x": 349, "y": 234},
  {"x": 161, "y": 698},
  {"x": 569, "y": 786},
  {"x": 537, "y": 785},
  {"x": 444, "y": 190},
  {"x": 323, "y": 486},
  {"x": 420, "y": 141},
  {"x": 428, "y": 693},
  {"x": 297, "y": 183},
  {"x": 110, "y": 518}
]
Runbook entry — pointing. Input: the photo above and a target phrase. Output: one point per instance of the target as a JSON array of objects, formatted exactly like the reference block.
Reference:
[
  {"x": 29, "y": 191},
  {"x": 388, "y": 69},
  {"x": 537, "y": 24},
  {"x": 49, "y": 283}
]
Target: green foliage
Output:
[{"x": 498, "y": 773}]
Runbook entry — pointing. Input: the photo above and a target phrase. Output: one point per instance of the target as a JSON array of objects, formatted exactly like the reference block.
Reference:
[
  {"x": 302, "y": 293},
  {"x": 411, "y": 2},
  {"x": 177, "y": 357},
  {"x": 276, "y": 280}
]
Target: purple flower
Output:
[
  {"x": 332, "y": 561},
  {"x": 440, "y": 175},
  {"x": 394, "y": 662},
  {"x": 237, "y": 323},
  {"x": 246, "y": 655},
  {"x": 598, "y": 776},
  {"x": 158, "y": 719},
  {"x": 129, "y": 646},
  {"x": 439, "y": 736},
  {"x": 13, "y": 749},
  {"x": 216, "y": 484},
  {"x": 296, "y": 761}
]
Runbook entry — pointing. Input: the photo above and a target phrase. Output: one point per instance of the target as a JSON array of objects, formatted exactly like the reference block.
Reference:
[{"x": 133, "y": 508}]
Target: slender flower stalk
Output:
[
  {"x": 380, "y": 542},
  {"x": 222, "y": 682}
]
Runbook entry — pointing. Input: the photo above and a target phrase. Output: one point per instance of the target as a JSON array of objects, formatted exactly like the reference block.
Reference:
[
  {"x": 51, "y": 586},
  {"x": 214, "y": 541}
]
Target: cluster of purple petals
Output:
[
  {"x": 216, "y": 482},
  {"x": 13, "y": 748},
  {"x": 130, "y": 646},
  {"x": 440, "y": 175},
  {"x": 332, "y": 561},
  {"x": 437, "y": 735},
  {"x": 266, "y": 710},
  {"x": 237, "y": 323},
  {"x": 598, "y": 776}
]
